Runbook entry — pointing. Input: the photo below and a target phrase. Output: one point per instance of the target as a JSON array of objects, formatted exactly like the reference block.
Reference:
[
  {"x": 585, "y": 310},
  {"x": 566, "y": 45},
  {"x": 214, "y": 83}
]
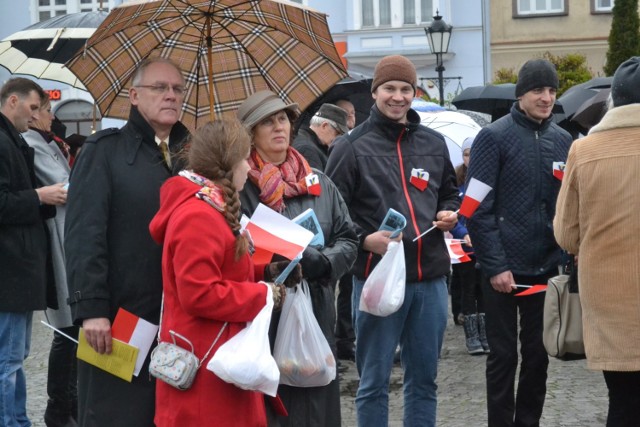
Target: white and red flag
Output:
[
  {"x": 313, "y": 184},
  {"x": 558, "y": 170},
  {"x": 456, "y": 253},
  {"x": 273, "y": 233},
  {"x": 419, "y": 179},
  {"x": 475, "y": 194},
  {"x": 135, "y": 331}
]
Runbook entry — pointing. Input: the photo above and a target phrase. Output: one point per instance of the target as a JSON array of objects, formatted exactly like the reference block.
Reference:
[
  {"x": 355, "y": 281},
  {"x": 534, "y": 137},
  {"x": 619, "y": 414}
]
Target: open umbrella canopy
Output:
[
  {"x": 495, "y": 100},
  {"x": 576, "y": 95},
  {"x": 592, "y": 110},
  {"x": 41, "y": 49},
  {"x": 454, "y": 126},
  {"x": 227, "y": 50}
]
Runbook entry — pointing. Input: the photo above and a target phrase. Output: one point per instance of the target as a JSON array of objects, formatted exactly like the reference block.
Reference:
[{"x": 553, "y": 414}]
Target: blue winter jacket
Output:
[{"x": 512, "y": 227}]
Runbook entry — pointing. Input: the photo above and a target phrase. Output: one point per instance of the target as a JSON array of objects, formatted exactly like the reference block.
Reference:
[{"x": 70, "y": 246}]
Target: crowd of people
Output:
[{"x": 147, "y": 219}]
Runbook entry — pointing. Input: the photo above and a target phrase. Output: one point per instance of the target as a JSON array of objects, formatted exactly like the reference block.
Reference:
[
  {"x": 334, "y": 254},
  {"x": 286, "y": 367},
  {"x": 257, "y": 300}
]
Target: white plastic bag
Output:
[
  {"x": 301, "y": 350},
  {"x": 383, "y": 291},
  {"x": 245, "y": 360}
]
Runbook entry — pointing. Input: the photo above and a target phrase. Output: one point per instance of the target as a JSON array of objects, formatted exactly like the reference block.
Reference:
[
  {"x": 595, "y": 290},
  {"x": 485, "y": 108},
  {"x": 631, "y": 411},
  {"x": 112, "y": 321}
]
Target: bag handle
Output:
[{"x": 174, "y": 334}]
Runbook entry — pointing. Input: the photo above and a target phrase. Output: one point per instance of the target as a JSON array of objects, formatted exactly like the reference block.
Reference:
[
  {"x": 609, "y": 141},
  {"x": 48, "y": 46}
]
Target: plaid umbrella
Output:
[
  {"x": 227, "y": 50},
  {"x": 41, "y": 49}
]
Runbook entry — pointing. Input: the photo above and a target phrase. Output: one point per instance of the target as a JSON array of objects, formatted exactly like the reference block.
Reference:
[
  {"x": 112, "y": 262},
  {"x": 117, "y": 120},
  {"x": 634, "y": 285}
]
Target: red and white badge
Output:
[
  {"x": 558, "y": 169},
  {"x": 313, "y": 184},
  {"x": 419, "y": 179}
]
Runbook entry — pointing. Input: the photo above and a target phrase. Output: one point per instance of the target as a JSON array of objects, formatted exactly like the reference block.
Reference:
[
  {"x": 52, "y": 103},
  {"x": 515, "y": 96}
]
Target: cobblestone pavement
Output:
[{"x": 576, "y": 397}]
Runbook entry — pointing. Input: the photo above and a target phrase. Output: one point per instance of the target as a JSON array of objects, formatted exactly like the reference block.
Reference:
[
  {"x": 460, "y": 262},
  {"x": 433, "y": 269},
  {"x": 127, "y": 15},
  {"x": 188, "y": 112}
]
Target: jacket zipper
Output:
[
  {"x": 409, "y": 204},
  {"x": 537, "y": 184}
]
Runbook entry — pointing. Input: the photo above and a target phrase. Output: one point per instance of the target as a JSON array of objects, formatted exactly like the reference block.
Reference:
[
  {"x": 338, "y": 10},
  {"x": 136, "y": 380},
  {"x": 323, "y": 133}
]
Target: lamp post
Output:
[{"x": 439, "y": 34}]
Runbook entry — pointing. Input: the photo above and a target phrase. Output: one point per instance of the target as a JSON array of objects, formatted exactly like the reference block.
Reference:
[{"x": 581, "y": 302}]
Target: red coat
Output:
[{"x": 204, "y": 286}]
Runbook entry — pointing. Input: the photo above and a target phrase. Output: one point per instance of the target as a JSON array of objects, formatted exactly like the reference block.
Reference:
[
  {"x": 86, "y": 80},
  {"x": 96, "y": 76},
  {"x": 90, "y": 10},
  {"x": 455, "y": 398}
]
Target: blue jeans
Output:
[
  {"x": 15, "y": 339},
  {"x": 418, "y": 326}
]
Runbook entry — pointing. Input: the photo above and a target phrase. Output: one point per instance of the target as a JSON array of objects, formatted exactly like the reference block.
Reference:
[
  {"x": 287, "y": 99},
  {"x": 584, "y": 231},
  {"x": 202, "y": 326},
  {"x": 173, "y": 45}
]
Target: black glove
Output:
[
  {"x": 314, "y": 264},
  {"x": 273, "y": 270}
]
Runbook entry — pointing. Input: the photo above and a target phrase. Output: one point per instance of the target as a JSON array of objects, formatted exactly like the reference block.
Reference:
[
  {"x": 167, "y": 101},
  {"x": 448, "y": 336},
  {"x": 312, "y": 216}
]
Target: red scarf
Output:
[{"x": 279, "y": 182}]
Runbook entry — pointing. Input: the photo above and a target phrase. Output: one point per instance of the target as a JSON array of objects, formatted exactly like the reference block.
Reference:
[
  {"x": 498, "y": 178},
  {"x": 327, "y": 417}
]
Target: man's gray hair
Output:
[
  {"x": 139, "y": 73},
  {"x": 318, "y": 121}
]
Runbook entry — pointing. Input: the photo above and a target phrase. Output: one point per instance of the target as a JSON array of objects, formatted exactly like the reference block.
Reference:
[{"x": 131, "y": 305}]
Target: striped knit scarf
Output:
[{"x": 279, "y": 182}]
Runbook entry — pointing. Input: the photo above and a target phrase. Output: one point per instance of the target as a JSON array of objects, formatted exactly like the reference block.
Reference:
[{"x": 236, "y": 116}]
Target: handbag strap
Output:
[{"x": 175, "y": 334}]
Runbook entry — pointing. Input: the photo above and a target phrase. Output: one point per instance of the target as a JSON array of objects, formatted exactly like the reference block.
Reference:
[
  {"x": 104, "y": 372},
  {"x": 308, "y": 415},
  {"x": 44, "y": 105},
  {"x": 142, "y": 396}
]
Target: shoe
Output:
[
  {"x": 472, "y": 337},
  {"x": 482, "y": 333},
  {"x": 53, "y": 417}
]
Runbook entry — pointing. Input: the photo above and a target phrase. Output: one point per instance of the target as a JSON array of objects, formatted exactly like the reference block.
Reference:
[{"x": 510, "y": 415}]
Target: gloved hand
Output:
[
  {"x": 279, "y": 293},
  {"x": 273, "y": 270},
  {"x": 314, "y": 264}
]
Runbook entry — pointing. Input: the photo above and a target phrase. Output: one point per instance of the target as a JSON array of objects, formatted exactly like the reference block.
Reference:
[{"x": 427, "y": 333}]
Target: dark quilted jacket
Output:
[{"x": 512, "y": 228}]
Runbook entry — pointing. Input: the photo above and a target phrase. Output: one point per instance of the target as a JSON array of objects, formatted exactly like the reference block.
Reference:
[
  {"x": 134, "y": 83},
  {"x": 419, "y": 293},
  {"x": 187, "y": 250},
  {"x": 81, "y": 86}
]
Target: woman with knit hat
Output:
[{"x": 281, "y": 179}]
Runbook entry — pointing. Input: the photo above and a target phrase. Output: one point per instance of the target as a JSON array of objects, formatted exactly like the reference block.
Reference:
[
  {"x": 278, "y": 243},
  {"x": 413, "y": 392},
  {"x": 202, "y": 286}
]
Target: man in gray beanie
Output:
[
  {"x": 514, "y": 243},
  {"x": 391, "y": 161},
  {"x": 602, "y": 170}
]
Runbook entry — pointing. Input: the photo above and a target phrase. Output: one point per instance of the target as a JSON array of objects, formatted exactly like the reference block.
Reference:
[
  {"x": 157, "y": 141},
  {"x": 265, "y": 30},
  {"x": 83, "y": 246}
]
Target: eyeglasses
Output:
[{"x": 162, "y": 88}]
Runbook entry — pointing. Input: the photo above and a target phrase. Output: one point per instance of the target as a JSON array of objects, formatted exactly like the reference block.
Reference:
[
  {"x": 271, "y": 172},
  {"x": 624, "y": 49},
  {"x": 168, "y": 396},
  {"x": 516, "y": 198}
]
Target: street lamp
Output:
[{"x": 439, "y": 34}]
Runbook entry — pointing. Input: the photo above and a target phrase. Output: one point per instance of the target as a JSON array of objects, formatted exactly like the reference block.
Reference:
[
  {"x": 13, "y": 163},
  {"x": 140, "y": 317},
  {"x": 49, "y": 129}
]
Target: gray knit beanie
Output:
[
  {"x": 534, "y": 74},
  {"x": 625, "y": 88}
]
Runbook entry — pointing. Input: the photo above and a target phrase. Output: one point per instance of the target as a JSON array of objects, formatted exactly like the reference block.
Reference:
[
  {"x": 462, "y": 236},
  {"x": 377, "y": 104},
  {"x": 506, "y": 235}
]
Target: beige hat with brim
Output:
[{"x": 261, "y": 105}]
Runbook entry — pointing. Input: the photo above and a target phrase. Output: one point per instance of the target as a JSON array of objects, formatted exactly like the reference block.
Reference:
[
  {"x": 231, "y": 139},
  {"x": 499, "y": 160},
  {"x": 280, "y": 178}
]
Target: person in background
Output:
[
  {"x": 512, "y": 235},
  {"x": 328, "y": 123},
  {"x": 372, "y": 167},
  {"x": 345, "y": 336},
  {"x": 51, "y": 164},
  {"x": 278, "y": 179},
  {"x": 596, "y": 219},
  {"x": 112, "y": 261},
  {"x": 467, "y": 276},
  {"x": 24, "y": 259},
  {"x": 208, "y": 275},
  {"x": 347, "y": 106}
]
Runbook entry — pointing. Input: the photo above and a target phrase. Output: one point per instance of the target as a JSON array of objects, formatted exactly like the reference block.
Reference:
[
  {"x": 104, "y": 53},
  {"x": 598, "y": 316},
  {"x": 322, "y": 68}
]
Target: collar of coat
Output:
[
  {"x": 390, "y": 128},
  {"x": 625, "y": 116},
  {"x": 144, "y": 133},
  {"x": 11, "y": 131},
  {"x": 523, "y": 120}
]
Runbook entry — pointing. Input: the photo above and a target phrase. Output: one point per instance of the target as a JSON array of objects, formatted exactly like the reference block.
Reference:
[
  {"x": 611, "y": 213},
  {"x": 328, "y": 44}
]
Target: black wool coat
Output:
[{"x": 23, "y": 240}]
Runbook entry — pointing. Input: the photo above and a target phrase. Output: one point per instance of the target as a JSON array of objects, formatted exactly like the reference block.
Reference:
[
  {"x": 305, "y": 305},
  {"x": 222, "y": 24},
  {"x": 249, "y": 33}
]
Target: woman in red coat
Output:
[{"x": 208, "y": 275}]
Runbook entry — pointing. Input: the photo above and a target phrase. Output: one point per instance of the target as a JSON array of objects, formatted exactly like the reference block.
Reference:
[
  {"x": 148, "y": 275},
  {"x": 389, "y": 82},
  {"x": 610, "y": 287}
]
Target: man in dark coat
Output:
[
  {"x": 112, "y": 262},
  {"x": 23, "y": 243},
  {"x": 326, "y": 125}
]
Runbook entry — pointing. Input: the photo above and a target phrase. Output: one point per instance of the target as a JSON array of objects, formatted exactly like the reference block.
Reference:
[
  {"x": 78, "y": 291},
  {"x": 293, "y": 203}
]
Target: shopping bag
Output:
[
  {"x": 562, "y": 318},
  {"x": 383, "y": 291},
  {"x": 245, "y": 360},
  {"x": 301, "y": 350}
]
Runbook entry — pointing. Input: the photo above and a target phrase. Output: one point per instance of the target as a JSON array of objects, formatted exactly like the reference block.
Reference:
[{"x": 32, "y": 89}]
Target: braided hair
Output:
[{"x": 214, "y": 150}]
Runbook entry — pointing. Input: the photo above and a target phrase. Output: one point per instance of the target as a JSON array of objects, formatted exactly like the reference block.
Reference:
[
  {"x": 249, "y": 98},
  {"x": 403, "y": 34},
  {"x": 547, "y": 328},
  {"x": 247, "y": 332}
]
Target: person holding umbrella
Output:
[
  {"x": 112, "y": 261},
  {"x": 278, "y": 178}
]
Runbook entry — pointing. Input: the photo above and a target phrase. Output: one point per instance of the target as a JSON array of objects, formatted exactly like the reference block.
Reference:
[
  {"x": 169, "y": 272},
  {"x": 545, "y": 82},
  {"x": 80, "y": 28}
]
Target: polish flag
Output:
[
  {"x": 135, "y": 331},
  {"x": 313, "y": 184},
  {"x": 475, "y": 194},
  {"x": 456, "y": 253},
  {"x": 534, "y": 289},
  {"x": 419, "y": 179},
  {"x": 558, "y": 170},
  {"x": 274, "y": 233}
]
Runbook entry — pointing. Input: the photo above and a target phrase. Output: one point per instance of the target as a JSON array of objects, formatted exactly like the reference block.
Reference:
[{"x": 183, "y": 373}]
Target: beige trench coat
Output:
[{"x": 598, "y": 218}]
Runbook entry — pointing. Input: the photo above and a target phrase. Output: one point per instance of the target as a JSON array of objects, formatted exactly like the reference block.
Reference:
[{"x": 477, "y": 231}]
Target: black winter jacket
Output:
[
  {"x": 114, "y": 191},
  {"x": 372, "y": 167},
  {"x": 308, "y": 144},
  {"x": 512, "y": 229},
  {"x": 23, "y": 236}
]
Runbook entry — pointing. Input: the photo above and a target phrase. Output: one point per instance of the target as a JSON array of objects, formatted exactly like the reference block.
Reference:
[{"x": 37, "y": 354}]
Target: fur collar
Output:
[{"x": 619, "y": 117}]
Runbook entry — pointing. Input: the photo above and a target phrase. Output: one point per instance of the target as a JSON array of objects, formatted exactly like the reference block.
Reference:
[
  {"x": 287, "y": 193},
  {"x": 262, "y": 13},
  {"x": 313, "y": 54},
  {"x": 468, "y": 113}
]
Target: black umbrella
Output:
[
  {"x": 41, "y": 49},
  {"x": 358, "y": 92},
  {"x": 592, "y": 110},
  {"x": 577, "y": 95},
  {"x": 495, "y": 100}
]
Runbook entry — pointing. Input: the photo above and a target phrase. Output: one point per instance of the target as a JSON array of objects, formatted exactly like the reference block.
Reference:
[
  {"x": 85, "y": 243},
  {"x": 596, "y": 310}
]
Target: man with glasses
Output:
[
  {"x": 112, "y": 262},
  {"x": 326, "y": 125}
]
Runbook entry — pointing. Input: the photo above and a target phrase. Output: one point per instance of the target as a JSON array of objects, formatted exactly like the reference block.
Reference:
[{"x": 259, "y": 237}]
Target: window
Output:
[
  {"x": 61, "y": 2},
  {"x": 86, "y": 1},
  {"x": 540, "y": 7},
  {"x": 44, "y": 3},
  {"x": 602, "y": 6},
  {"x": 44, "y": 15},
  {"x": 386, "y": 13}
]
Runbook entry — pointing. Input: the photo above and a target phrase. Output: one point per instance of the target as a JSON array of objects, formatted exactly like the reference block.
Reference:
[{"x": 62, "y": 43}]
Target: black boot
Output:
[
  {"x": 472, "y": 338},
  {"x": 55, "y": 416},
  {"x": 62, "y": 381},
  {"x": 482, "y": 332}
]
